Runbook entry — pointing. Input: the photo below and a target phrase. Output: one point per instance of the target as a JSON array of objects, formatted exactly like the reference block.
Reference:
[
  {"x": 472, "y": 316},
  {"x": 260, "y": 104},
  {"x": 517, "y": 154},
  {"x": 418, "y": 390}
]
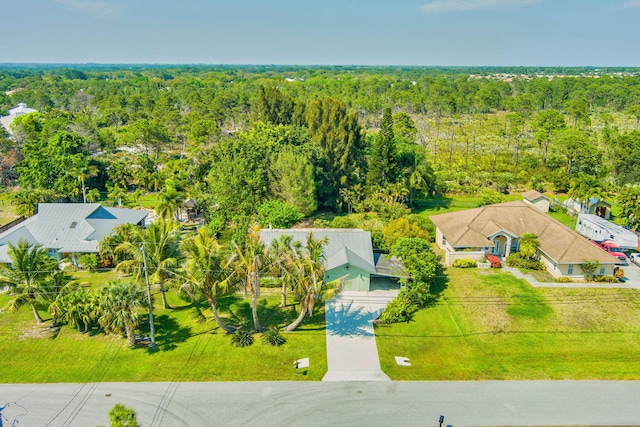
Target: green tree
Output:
[
  {"x": 203, "y": 274},
  {"x": 247, "y": 263},
  {"x": 628, "y": 199},
  {"x": 341, "y": 141},
  {"x": 307, "y": 269},
  {"x": 529, "y": 246},
  {"x": 545, "y": 124},
  {"x": 292, "y": 180},
  {"x": 383, "y": 166},
  {"x": 121, "y": 416},
  {"x": 171, "y": 201},
  {"x": 277, "y": 214},
  {"x": 159, "y": 246},
  {"x": 28, "y": 275},
  {"x": 589, "y": 268},
  {"x": 402, "y": 227},
  {"x": 121, "y": 307},
  {"x": 578, "y": 109},
  {"x": 283, "y": 251}
]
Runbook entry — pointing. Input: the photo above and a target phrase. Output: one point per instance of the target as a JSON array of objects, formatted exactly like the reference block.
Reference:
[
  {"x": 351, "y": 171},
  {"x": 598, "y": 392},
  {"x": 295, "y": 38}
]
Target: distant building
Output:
[
  {"x": 592, "y": 205},
  {"x": 20, "y": 110}
]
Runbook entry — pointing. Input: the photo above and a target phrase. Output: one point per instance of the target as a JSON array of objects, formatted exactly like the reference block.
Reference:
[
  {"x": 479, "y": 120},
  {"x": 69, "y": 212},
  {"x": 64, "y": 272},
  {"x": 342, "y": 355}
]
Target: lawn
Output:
[
  {"x": 490, "y": 325},
  {"x": 440, "y": 205},
  {"x": 190, "y": 348}
]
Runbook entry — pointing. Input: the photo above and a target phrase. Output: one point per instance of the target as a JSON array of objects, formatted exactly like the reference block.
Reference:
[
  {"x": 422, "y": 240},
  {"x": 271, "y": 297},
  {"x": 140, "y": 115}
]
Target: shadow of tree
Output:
[
  {"x": 169, "y": 332},
  {"x": 345, "y": 319},
  {"x": 433, "y": 204}
]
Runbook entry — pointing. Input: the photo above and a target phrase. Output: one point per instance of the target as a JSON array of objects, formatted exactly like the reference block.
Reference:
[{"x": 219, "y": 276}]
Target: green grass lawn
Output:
[
  {"x": 490, "y": 325},
  {"x": 440, "y": 205},
  {"x": 190, "y": 348}
]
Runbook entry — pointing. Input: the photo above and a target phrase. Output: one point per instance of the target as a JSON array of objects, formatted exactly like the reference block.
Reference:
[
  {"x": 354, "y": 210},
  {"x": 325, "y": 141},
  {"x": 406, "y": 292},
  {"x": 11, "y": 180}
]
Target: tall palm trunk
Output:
[
  {"x": 39, "y": 319},
  {"x": 163, "y": 292},
  {"x": 255, "y": 294},
  {"x": 283, "y": 303},
  {"x": 293, "y": 325},
  {"x": 227, "y": 328}
]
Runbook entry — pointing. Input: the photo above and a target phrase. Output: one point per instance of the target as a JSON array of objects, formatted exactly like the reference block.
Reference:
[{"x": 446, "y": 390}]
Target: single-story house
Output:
[
  {"x": 348, "y": 257},
  {"x": 496, "y": 229},
  {"x": 20, "y": 110},
  {"x": 537, "y": 199},
  {"x": 67, "y": 230},
  {"x": 592, "y": 205}
]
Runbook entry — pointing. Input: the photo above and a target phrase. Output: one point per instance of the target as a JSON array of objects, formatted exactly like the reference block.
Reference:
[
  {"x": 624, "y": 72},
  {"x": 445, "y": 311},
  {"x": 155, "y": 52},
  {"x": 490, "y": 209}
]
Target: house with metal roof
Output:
[
  {"x": 348, "y": 257},
  {"x": 20, "y": 110},
  {"x": 67, "y": 230},
  {"x": 496, "y": 229}
]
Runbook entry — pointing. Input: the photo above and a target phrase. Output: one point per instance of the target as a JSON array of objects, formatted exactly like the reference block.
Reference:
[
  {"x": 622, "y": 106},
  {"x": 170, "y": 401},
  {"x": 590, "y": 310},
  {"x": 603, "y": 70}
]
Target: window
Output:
[
  {"x": 570, "y": 270},
  {"x": 601, "y": 271}
]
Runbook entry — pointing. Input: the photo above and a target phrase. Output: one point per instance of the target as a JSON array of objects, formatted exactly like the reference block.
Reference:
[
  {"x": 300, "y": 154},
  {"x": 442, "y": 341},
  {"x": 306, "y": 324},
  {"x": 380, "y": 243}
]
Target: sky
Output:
[{"x": 322, "y": 32}]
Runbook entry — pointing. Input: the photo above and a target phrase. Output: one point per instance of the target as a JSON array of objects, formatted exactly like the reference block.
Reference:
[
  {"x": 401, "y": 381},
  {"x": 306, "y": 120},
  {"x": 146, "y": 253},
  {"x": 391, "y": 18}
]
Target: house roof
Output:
[
  {"x": 472, "y": 228},
  {"x": 13, "y": 113},
  {"x": 533, "y": 195},
  {"x": 344, "y": 245},
  {"x": 68, "y": 227}
]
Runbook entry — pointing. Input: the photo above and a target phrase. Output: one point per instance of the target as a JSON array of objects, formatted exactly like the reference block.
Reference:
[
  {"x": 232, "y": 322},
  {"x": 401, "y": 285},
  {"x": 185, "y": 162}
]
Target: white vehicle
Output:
[{"x": 635, "y": 258}]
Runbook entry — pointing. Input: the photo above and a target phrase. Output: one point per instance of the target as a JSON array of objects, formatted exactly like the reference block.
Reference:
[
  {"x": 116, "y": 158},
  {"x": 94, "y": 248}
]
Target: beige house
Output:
[
  {"x": 537, "y": 199},
  {"x": 496, "y": 229}
]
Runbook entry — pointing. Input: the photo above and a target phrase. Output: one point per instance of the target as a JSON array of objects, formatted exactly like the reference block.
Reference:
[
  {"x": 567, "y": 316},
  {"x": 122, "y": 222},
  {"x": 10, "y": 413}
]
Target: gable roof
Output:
[
  {"x": 344, "y": 245},
  {"x": 472, "y": 228},
  {"x": 68, "y": 227},
  {"x": 533, "y": 195}
]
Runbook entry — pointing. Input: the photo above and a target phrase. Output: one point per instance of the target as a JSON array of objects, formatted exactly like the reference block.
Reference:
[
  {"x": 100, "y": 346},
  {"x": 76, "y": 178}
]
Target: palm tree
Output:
[
  {"x": 283, "y": 251},
  {"x": 247, "y": 263},
  {"x": 79, "y": 307},
  {"x": 159, "y": 246},
  {"x": 309, "y": 286},
  {"x": 28, "y": 276},
  {"x": 203, "y": 272},
  {"x": 170, "y": 202},
  {"x": 107, "y": 246},
  {"x": 93, "y": 195},
  {"x": 121, "y": 307}
]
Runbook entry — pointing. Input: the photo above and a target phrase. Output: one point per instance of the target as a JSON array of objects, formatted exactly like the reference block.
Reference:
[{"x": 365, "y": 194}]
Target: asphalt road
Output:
[{"x": 328, "y": 404}]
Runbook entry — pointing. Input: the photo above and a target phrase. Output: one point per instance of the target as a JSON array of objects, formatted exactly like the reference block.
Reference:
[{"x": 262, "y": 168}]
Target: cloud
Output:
[
  {"x": 95, "y": 8},
  {"x": 435, "y": 6},
  {"x": 631, "y": 4}
]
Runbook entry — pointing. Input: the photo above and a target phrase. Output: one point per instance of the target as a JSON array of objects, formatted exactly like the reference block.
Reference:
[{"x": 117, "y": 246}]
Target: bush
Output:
[
  {"x": 518, "y": 261},
  {"x": 242, "y": 338},
  {"x": 465, "y": 263},
  {"x": 564, "y": 279},
  {"x": 343, "y": 222},
  {"x": 278, "y": 214},
  {"x": 88, "y": 261},
  {"x": 402, "y": 227},
  {"x": 272, "y": 337},
  {"x": 605, "y": 279},
  {"x": 494, "y": 261},
  {"x": 618, "y": 273}
]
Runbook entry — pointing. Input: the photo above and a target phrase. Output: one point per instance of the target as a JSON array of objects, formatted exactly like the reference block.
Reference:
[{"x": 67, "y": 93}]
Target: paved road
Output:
[
  {"x": 386, "y": 403},
  {"x": 352, "y": 354}
]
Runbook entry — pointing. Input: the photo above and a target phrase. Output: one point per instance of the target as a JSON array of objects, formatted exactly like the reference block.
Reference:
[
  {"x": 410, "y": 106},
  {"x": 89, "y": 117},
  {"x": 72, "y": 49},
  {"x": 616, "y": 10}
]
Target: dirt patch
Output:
[{"x": 39, "y": 331}]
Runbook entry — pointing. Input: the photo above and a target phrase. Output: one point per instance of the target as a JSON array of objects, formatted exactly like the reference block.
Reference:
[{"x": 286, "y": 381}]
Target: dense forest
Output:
[{"x": 278, "y": 143}]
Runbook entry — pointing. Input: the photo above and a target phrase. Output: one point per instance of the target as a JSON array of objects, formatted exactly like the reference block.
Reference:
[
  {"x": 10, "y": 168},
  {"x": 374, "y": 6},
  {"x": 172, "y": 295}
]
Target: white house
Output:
[
  {"x": 20, "y": 110},
  {"x": 67, "y": 230}
]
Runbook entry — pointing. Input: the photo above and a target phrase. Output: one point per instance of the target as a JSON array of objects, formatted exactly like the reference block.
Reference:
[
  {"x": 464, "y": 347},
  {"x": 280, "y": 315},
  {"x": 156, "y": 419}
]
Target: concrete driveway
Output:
[{"x": 352, "y": 354}]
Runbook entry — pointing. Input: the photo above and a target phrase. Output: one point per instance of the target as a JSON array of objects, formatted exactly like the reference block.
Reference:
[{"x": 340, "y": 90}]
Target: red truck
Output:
[{"x": 613, "y": 249}]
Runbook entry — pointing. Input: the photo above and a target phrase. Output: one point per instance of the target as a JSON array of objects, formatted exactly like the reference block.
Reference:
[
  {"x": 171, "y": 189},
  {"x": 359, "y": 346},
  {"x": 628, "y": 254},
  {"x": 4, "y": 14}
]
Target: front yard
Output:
[{"x": 490, "y": 325}]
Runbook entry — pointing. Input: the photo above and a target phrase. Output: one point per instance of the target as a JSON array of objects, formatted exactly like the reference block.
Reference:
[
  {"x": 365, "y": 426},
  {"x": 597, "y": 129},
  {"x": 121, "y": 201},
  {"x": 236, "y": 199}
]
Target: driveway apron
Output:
[{"x": 352, "y": 354}]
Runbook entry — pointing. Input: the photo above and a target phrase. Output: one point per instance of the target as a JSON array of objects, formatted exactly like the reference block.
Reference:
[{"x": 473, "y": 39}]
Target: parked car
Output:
[
  {"x": 614, "y": 250},
  {"x": 635, "y": 258}
]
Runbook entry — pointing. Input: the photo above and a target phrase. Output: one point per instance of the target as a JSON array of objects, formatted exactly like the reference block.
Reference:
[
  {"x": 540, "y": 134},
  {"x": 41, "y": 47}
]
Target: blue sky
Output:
[{"x": 365, "y": 32}]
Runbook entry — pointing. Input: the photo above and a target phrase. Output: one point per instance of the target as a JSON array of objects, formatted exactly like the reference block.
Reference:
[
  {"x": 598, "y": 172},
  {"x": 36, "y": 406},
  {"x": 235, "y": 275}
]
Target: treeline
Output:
[{"x": 309, "y": 138}]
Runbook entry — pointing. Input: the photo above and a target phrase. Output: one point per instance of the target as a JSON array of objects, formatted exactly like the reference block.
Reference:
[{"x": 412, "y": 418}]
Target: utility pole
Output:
[{"x": 152, "y": 330}]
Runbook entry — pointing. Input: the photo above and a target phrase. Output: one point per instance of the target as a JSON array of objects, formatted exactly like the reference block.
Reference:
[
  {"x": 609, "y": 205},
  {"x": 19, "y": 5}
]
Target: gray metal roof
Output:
[
  {"x": 357, "y": 241},
  {"x": 70, "y": 227}
]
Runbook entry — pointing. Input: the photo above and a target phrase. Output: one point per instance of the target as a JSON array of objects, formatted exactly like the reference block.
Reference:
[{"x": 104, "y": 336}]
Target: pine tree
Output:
[{"x": 383, "y": 166}]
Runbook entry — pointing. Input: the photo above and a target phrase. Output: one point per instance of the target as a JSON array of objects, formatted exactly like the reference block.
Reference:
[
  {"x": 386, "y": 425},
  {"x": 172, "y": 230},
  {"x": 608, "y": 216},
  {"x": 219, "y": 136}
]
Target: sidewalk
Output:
[
  {"x": 536, "y": 284},
  {"x": 352, "y": 354}
]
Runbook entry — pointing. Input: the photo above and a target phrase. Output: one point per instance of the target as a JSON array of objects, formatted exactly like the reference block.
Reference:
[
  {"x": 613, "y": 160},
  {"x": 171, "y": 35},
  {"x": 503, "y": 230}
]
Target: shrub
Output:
[
  {"x": 494, "y": 261},
  {"x": 402, "y": 227},
  {"x": 343, "y": 222},
  {"x": 278, "y": 214},
  {"x": 605, "y": 279},
  {"x": 465, "y": 263},
  {"x": 88, "y": 261},
  {"x": 272, "y": 337},
  {"x": 618, "y": 273},
  {"x": 518, "y": 261},
  {"x": 564, "y": 279},
  {"x": 242, "y": 338}
]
